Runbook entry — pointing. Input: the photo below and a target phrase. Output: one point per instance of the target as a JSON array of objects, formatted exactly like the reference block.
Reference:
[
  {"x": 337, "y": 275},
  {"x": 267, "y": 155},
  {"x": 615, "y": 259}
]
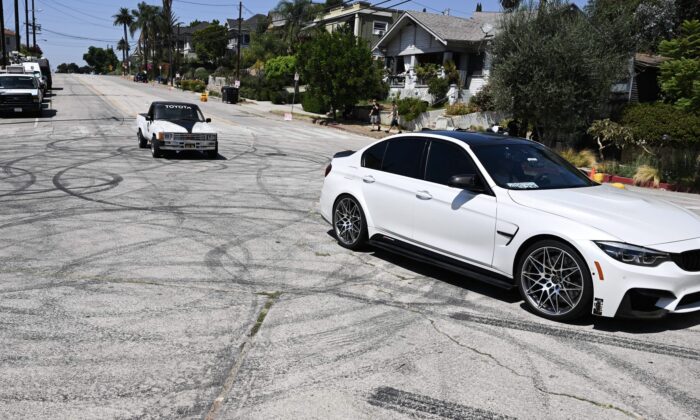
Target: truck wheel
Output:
[
  {"x": 143, "y": 143},
  {"x": 155, "y": 149}
]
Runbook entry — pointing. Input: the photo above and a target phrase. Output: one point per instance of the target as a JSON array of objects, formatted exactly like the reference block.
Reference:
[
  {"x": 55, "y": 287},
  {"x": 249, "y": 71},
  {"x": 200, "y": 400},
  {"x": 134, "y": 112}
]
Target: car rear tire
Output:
[
  {"x": 143, "y": 143},
  {"x": 349, "y": 223},
  {"x": 155, "y": 149},
  {"x": 555, "y": 281}
]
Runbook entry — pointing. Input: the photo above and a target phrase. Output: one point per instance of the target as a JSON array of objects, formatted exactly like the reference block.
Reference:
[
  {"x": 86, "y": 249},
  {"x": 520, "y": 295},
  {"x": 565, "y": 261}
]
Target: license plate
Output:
[
  {"x": 189, "y": 146},
  {"x": 18, "y": 109}
]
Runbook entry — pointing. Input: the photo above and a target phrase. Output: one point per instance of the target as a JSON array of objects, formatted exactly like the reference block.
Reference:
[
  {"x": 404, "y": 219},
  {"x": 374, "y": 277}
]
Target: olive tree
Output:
[{"x": 554, "y": 65}]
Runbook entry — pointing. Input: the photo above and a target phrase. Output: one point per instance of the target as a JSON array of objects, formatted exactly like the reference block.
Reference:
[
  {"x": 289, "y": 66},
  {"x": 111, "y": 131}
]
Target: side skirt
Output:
[{"x": 423, "y": 255}]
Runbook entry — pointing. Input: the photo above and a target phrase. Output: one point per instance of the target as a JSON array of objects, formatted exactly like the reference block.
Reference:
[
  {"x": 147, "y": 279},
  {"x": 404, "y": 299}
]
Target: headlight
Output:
[
  {"x": 36, "y": 98},
  {"x": 211, "y": 137},
  {"x": 169, "y": 136},
  {"x": 632, "y": 254}
]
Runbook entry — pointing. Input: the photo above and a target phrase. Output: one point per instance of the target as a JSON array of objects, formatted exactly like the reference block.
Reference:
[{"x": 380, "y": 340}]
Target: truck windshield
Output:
[
  {"x": 178, "y": 112},
  {"x": 17, "y": 83}
]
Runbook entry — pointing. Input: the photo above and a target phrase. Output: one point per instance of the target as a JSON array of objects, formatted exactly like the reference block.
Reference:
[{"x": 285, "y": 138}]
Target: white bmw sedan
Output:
[{"x": 511, "y": 212}]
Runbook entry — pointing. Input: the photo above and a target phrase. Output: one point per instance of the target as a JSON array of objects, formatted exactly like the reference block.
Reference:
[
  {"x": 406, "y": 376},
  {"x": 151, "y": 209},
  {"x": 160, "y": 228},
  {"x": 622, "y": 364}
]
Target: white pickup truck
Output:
[
  {"x": 20, "y": 93},
  {"x": 176, "y": 126}
]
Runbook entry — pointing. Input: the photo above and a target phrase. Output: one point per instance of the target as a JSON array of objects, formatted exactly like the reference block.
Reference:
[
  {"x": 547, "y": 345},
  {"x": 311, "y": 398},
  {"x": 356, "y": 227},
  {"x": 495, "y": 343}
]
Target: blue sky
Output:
[{"x": 92, "y": 19}]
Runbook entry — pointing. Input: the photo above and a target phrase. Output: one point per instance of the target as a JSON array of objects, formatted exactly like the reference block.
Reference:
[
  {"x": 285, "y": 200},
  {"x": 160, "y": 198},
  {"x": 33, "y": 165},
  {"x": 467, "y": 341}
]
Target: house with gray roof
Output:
[
  {"x": 421, "y": 38},
  {"x": 248, "y": 27}
]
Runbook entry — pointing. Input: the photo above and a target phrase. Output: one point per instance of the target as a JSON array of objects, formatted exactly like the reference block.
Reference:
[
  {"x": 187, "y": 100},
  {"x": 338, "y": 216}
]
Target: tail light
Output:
[{"x": 328, "y": 170}]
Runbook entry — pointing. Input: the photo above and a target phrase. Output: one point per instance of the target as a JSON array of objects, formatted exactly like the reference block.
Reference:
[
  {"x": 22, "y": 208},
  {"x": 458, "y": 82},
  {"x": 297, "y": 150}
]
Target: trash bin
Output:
[{"x": 229, "y": 94}]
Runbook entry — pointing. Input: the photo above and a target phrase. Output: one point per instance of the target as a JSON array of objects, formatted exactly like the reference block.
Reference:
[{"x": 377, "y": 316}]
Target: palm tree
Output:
[
  {"x": 123, "y": 46},
  {"x": 296, "y": 14},
  {"x": 124, "y": 18},
  {"x": 146, "y": 18},
  {"x": 168, "y": 22}
]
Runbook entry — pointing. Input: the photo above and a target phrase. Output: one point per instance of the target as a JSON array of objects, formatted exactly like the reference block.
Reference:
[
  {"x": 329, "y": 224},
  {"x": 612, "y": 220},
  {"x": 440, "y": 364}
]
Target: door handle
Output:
[
  {"x": 368, "y": 179},
  {"x": 423, "y": 195}
]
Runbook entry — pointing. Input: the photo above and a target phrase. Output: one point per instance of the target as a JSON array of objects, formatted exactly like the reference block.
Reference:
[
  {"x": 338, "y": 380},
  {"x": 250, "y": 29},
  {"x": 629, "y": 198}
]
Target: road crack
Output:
[
  {"x": 216, "y": 405},
  {"x": 607, "y": 406}
]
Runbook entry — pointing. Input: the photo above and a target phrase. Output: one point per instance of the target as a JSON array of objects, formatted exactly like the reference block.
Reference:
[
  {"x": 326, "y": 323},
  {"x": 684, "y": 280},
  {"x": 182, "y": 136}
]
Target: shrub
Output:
[
  {"x": 186, "y": 84},
  {"x": 201, "y": 74},
  {"x": 654, "y": 126},
  {"x": 460, "y": 108},
  {"x": 314, "y": 103},
  {"x": 438, "y": 87},
  {"x": 411, "y": 108},
  {"x": 483, "y": 100},
  {"x": 647, "y": 175},
  {"x": 280, "y": 97},
  {"x": 583, "y": 159}
]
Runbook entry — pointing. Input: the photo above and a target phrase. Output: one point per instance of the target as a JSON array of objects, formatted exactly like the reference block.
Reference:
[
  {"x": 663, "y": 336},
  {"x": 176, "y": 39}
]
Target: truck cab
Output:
[{"x": 178, "y": 127}]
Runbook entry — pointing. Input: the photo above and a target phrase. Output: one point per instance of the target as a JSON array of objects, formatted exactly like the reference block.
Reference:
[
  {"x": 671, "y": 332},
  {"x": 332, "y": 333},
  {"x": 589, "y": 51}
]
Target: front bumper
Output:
[
  {"x": 630, "y": 290},
  {"x": 185, "y": 145},
  {"x": 20, "y": 108}
]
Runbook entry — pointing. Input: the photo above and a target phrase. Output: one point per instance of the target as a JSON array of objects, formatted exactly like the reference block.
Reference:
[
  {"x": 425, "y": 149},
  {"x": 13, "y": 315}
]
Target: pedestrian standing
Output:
[
  {"x": 374, "y": 116},
  {"x": 394, "y": 117}
]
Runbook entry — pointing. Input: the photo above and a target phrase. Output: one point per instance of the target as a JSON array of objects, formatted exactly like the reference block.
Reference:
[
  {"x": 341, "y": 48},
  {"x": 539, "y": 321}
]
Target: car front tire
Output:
[
  {"x": 555, "y": 281},
  {"x": 155, "y": 149},
  {"x": 349, "y": 223},
  {"x": 143, "y": 143}
]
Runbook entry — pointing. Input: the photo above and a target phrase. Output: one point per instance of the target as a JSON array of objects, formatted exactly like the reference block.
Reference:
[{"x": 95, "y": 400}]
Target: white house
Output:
[{"x": 420, "y": 38}]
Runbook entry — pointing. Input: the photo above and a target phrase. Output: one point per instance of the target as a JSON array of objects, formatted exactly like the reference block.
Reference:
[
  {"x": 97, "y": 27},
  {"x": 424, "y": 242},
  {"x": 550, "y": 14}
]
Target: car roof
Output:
[{"x": 472, "y": 138}]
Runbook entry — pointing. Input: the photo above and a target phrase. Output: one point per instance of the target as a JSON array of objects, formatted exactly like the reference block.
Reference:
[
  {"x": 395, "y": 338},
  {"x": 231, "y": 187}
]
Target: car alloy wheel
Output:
[
  {"x": 349, "y": 223},
  {"x": 553, "y": 281}
]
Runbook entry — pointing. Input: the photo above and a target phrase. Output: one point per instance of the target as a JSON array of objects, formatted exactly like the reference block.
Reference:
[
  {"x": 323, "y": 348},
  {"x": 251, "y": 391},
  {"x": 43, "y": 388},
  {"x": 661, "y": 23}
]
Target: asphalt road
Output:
[{"x": 187, "y": 288}]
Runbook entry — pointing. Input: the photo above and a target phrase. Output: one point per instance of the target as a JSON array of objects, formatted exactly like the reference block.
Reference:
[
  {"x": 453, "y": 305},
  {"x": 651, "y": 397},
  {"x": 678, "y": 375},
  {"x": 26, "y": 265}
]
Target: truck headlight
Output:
[
  {"x": 632, "y": 254},
  {"x": 161, "y": 136},
  {"x": 169, "y": 136},
  {"x": 211, "y": 137},
  {"x": 36, "y": 99}
]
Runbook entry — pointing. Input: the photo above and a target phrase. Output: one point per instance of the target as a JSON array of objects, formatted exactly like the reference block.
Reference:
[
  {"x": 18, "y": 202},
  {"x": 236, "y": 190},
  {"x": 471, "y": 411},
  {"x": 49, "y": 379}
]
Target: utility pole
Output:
[
  {"x": 3, "y": 44},
  {"x": 17, "y": 39},
  {"x": 178, "y": 58},
  {"x": 26, "y": 22},
  {"x": 33, "y": 26},
  {"x": 238, "y": 47}
]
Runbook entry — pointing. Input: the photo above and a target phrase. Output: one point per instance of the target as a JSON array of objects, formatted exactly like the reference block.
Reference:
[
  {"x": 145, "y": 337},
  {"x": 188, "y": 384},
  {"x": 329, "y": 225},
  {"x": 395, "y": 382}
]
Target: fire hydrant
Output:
[{"x": 204, "y": 97}]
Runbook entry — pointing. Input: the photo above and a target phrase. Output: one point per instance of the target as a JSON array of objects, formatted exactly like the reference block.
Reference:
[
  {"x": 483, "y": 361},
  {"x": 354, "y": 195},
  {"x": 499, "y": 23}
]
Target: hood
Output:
[
  {"x": 183, "y": 126},
  {"x": 633, "y": 218}
]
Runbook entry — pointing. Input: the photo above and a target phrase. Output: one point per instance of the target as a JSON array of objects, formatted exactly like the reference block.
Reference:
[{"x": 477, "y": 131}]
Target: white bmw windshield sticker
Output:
[{"x": 523, "y": 185}]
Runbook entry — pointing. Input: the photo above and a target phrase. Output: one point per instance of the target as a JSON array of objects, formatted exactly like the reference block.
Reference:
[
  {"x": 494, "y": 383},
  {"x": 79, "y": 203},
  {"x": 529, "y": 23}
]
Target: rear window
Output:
[
  {"x": 403, "y": 156},
  {"x": 372, "y": 157},
  {"x": 17, "y": 82}
]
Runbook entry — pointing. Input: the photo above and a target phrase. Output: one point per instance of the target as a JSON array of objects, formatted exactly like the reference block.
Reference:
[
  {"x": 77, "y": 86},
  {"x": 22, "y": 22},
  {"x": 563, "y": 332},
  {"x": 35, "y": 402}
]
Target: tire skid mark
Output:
[
  {"x": 582, "y": 336},
  {"x": 413, "y": 404}
]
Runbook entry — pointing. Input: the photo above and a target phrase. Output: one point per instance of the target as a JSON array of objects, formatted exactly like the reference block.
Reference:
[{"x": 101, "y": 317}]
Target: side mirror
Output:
[
  {"x": 149, "y": 118},
  {"x": 208, "y": 120},
  {"x": 470, "y": 182}
]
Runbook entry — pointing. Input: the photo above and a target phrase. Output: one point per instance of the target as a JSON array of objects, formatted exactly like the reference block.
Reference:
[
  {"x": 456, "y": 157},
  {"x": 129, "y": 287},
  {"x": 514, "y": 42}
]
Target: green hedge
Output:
[
  {"x": 314, "y": 103},
  {"x": 411, "y": 108}
]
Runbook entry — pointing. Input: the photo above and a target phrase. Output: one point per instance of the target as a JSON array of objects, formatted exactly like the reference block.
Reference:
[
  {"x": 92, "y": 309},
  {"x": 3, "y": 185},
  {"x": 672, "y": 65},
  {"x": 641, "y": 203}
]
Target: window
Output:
[
  {"x": 403, "y": 157},
  {"x": 372, "y": 158},
  {"x": 379, "y": 28},
  {"x": 446, "y": 160}
]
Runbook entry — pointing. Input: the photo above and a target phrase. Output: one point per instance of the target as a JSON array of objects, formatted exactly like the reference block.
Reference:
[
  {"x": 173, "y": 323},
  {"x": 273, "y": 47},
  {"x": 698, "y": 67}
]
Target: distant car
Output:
[
  {"x": 513, "y": 213},
  {"x": 176, "y": 126},
  {"x": 20, "y": 94},
  {"x": 140, "y": 78}
]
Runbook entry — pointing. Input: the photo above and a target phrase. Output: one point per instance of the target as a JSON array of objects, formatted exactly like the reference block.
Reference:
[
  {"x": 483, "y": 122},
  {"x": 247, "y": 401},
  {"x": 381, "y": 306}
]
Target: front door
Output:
[{"x": 455, "y": 222}]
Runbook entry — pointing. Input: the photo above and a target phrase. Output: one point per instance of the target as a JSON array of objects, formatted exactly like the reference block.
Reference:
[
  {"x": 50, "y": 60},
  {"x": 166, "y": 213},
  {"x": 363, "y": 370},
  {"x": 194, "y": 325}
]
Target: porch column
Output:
[{"x": 357, "y": 25}]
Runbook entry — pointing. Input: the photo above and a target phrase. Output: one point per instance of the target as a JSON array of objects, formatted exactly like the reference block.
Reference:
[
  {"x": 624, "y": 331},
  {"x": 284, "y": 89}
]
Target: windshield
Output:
[
  {"x": 17, "y": 82},
  {"x": 529, "y": 167},
  {"x": 178, "y": 112}
]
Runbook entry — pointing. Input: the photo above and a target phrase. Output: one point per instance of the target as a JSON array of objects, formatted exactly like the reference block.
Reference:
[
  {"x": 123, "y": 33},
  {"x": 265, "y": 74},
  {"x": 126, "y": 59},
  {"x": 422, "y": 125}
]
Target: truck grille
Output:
[
  {"x": 15, "y": 99},
  {"x": 189, "y": 137},
  {"x": 689, "y": 260}
]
